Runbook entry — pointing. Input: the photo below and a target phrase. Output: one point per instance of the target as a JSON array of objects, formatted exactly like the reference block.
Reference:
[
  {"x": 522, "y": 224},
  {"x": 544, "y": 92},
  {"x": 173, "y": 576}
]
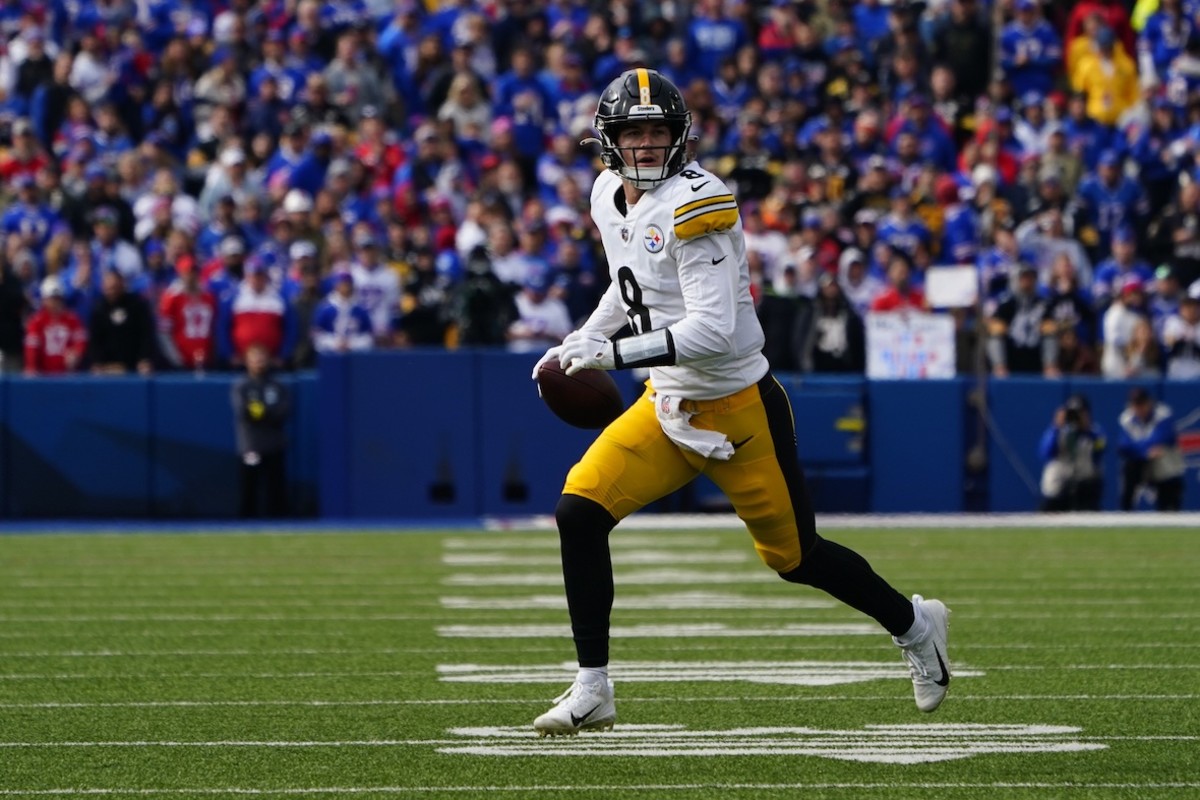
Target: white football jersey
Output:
[{"x": 677, "y": 259}]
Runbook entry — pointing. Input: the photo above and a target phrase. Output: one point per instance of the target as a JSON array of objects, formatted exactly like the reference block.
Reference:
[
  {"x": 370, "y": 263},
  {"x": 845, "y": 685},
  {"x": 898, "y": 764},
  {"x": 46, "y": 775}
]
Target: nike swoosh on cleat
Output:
[
  {"x": 577, "y": 721},
  {"x": 945, "y": 679},
  {"x": 698, "y": 186}
]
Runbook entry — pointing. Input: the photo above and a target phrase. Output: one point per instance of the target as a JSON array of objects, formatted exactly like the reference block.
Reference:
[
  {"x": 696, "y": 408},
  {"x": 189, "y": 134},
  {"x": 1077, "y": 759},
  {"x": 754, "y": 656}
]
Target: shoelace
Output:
[
  {"x": 916, "y": 665},
  {"x": 565, "y": 694}
]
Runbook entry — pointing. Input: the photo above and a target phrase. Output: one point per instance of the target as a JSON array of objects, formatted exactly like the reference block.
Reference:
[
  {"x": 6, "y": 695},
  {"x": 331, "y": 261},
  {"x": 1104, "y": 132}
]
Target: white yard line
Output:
[
  {"x": 613, "y": 738},
  {"x": 730, "y": 522},
  {"x": 560, "y": 789},
  {"x": 772, "y": 699}
]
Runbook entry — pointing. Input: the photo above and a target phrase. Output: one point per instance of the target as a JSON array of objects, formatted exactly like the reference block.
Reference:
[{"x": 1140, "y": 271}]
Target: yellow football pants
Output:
[{"x": 634, "y": 463}]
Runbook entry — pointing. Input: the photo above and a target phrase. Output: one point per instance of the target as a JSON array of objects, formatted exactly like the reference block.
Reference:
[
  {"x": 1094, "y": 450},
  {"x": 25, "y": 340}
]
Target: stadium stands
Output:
[{"x": 411, "y": 148}]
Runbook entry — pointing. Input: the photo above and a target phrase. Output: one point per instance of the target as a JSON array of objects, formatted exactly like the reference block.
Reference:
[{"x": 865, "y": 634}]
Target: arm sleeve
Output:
[
  {"x": 708, "y": 277},
  {"x": 609, "y": 316},
  {"x": 1048, "y": 447}
]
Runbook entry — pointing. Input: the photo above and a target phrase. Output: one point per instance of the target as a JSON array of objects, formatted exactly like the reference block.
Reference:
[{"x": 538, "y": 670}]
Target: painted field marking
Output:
[
  {"x": 120, "y": 602},
  {"x": 550, "y": 542},
  {"x": 790, "y": 673},
  {"x": 625, "y": 700},
  {"x": 877, "y": 744},
  {"x": 665, "y": 523},
  {"x": 303, "y": 619},
  {"x": 682, "y": 630},
  {"x": 671, "y": 601},
  {"x": 558, "y": 789},
  {"x": 619, "y": 558},
  {"x": 658, "y": 577}
]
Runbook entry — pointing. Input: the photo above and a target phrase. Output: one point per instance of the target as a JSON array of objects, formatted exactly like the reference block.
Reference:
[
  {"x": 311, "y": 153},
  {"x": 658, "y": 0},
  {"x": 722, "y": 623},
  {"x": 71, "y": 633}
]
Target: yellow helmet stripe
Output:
[{"x": 643, "y": 76}]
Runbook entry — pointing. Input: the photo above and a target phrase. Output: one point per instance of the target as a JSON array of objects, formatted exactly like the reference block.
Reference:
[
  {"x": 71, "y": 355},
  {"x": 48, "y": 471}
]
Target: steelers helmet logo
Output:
[{"x": 654, "y": 238}]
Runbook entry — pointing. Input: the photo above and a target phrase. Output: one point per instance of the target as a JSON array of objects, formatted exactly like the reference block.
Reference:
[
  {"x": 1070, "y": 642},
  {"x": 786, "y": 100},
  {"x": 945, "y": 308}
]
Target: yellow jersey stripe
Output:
[
  {"x": 708, "y": 209},
  {"x": 701, "y": 203},
  {"x": 707, "y": 222},
  {"x": 643, "y": 78}
]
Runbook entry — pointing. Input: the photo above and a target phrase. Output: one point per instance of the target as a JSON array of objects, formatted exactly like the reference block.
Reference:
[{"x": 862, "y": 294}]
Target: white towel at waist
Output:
[{"x": 675, "y": 424}]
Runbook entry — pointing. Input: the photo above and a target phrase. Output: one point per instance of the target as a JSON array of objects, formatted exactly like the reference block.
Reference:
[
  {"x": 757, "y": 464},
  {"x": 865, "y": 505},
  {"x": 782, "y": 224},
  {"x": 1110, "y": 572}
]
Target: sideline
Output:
[{"x": 637, "y": 522}]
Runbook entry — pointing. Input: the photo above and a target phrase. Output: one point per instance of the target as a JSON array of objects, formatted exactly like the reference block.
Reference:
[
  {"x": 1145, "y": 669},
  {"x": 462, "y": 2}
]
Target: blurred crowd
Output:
[{"x": 183, "y": 179}]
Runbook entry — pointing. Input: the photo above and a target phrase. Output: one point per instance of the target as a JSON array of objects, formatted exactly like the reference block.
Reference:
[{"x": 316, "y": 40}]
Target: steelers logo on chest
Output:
[{"x": 654, "y": 239}]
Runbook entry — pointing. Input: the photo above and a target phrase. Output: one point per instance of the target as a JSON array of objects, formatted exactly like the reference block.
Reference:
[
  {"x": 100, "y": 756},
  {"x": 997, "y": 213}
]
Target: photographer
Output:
[
  {"x": 1071, "y": 450},
  {"x": 1150, "y": 454}
]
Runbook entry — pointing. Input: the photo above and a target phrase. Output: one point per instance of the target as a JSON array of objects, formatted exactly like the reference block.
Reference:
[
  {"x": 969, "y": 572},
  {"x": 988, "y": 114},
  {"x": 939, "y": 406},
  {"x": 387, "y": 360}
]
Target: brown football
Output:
[{"x": 588, "y": 399}]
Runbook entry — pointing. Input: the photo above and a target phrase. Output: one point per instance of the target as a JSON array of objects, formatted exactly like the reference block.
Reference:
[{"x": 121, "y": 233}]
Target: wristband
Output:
[{"x": 653, "y": 349}]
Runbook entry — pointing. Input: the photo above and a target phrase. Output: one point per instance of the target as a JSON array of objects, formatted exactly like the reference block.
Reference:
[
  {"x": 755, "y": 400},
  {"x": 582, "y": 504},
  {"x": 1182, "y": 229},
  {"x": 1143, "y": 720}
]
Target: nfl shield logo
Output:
[{"x": 625, "y": 235}]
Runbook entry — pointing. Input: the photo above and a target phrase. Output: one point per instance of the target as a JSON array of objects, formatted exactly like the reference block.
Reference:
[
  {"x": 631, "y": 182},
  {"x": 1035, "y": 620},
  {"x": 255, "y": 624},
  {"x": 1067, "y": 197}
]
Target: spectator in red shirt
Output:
[
  {"x": 900, "y": 294},
  {"x": 186, "y": 316},
  {"x": 25, "y": 157},
  {"x": 255, "y": 314},
  {"x": 54, "y": 336}
]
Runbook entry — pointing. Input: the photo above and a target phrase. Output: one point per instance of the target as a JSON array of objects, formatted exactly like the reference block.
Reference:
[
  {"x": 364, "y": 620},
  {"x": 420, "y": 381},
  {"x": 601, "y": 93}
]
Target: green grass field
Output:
[{"x": 412, "y": 664}]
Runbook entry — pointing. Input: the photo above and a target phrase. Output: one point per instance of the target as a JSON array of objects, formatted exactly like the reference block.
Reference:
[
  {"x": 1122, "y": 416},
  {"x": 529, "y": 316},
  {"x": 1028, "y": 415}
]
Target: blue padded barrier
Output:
[
  {"x": 915, "y": 442},
  {"x": 303, "y": 449},
  {"x": 79, "y": 447},
  {"x": 196, "y": 470},
  {"x": 411, "y": 436},
  {"x": 333, "y": 435},
  {"x": 1020, "y": 409},
  {"x": 831, "y": 433},
  {"x": 524, "y": 450},
  {"x": 1107, "y": 399},
  {"x": 1184, "y": 399}
]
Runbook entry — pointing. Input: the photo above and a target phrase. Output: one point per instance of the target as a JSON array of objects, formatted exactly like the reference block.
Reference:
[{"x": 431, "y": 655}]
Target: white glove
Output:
[
  {"x": 550, "y": 355},
  {"x": 586, "y": 351},
  {"x": 554, "y": 353}
]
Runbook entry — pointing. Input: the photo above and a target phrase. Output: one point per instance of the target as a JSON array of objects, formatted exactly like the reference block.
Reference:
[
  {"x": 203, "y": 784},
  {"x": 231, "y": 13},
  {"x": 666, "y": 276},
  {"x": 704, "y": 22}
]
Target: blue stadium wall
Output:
[{"x": 438, "y": 436}]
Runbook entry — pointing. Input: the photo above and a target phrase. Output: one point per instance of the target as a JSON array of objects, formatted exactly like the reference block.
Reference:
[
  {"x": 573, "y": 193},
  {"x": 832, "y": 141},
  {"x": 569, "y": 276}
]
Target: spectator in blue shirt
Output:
[
  {"x": 1030, "y": 50},
  {"x": 1155, "y": 154},
  {"x": 902, "y": 229},
  {"x": 1149, "y": 449},
  {"x": 340, "y": 324},
  {"x": 933, "y": 141},
  {"x": 712, "y": 37},
  {"x": 1086, "y": 138},
  {"x": 1110, "y": 200},
  {"x": 521, "y": 97},
  {"x": 1163, "y": 39}
]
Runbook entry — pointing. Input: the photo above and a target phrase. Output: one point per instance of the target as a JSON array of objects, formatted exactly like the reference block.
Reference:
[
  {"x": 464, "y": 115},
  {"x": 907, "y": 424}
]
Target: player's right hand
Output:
[{"x": 553, "y": 353}]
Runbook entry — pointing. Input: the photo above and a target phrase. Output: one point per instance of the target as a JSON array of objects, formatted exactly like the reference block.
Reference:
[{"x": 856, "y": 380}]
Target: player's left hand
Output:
[{"x": 587, "y": 351}]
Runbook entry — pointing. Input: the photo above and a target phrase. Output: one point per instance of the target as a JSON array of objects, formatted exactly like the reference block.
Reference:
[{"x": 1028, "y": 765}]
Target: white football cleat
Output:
[
  {"x": 583, "y": 707},
  {"x": 928, "y": 661}
]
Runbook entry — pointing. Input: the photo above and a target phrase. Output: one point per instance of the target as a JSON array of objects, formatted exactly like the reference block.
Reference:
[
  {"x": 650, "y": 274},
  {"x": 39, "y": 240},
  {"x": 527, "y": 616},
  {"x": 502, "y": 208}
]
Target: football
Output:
[{"x": 588, "y": 399}]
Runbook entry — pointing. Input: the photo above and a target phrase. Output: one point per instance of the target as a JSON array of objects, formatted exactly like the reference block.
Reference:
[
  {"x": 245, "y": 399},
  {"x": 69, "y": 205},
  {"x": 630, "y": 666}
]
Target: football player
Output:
[{"x": 681, "y": 284}]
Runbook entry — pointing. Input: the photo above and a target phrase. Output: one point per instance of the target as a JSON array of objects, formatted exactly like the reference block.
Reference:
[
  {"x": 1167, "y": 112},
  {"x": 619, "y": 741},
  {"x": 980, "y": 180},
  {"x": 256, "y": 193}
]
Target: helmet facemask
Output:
[
  {"x": 642, "y": 95},
  {"x": 644, "y": 176}
]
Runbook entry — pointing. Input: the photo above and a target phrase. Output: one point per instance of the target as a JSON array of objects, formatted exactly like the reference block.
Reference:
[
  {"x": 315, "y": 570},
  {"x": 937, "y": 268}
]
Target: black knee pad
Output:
[
  {"x": 577, "y": 515},
  {"x": 809, "y": 567}
]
